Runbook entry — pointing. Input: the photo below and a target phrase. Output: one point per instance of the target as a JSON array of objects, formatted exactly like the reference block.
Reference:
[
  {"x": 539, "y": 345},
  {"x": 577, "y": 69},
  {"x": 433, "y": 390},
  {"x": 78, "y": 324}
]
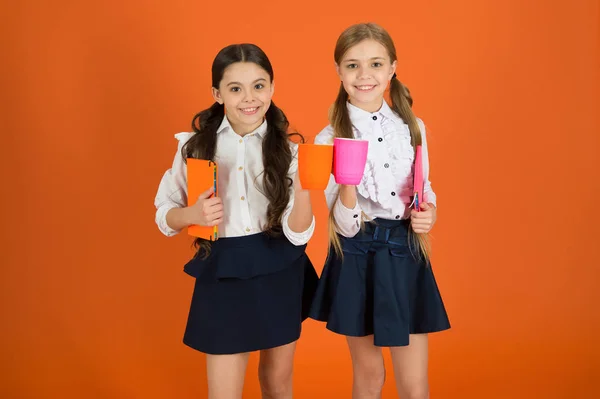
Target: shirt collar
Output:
[
  {"x": 259, "y": 131},
  {"x": 362, "y": 119}
]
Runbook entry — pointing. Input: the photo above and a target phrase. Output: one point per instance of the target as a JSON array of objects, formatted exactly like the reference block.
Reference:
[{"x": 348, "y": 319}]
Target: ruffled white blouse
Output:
[{"x": 387, "y": 184}]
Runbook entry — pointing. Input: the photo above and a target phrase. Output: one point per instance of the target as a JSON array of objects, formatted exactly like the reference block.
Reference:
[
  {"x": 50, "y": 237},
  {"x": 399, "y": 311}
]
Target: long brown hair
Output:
[
  {"x": 401, "y": 104},
  {"x": 276, "y": 151}
]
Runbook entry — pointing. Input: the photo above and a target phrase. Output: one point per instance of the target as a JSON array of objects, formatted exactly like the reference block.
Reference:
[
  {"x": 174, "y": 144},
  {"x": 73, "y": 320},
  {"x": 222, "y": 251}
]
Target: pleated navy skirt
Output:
[
  {"x": 379, "y": 288},
  {"x": 251, "y": 293}
]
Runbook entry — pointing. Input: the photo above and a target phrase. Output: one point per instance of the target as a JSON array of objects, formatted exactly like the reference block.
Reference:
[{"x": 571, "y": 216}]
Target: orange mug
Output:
[{"x": 314, "y": 165}]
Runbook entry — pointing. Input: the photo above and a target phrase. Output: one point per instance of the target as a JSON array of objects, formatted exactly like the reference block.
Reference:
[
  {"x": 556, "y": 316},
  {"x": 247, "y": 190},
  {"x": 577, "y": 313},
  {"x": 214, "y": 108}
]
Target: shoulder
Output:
[
  {"x": 423, "y": 129},
  {"x": 183, "y": 137},
  {"x": 420, "y": 123},
  {"x": 293, "y": 147},
  {"x": 325, "y": 136}
]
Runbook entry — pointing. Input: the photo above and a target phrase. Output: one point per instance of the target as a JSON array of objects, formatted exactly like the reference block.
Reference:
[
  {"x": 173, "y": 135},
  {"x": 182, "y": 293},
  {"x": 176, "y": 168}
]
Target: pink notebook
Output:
[{"x": 418, "y": 183}]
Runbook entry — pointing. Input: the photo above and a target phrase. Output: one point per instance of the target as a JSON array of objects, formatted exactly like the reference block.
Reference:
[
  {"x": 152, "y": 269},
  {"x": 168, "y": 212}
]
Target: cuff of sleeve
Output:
[
  {"x": 161, "y": 220},
  {"x": 347, "y": 220},
  {"x": 431, "y": 198},
  {"x": 297, "y": 238}
]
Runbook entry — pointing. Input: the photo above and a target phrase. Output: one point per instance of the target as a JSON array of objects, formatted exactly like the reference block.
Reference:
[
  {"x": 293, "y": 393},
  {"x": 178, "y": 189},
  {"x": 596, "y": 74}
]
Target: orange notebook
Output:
[{"x": 201, "y": 175}]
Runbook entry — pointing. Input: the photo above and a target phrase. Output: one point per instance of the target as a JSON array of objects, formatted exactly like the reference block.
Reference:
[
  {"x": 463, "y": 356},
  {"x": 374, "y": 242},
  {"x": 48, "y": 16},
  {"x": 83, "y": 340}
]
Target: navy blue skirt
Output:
[
  {"x": 251, "y": 293},
  {"x": 379, "y": 288}
]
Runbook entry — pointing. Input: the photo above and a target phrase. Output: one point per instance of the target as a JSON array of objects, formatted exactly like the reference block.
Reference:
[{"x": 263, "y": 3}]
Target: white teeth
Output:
[
  {"x": 365, "y": 87},
  {"x": 249, "y": 109}
]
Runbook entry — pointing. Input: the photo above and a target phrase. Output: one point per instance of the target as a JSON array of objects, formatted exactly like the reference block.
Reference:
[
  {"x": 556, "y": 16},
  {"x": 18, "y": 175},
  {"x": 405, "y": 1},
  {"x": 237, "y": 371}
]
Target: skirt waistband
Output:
[
  {"x": 247, "y": 257},
  {"x": 384, "y": 231}
]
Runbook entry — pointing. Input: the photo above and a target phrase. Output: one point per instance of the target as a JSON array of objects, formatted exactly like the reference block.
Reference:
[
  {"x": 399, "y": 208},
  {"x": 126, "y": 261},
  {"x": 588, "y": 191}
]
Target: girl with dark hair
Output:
[{"x": 254, "y": 285}]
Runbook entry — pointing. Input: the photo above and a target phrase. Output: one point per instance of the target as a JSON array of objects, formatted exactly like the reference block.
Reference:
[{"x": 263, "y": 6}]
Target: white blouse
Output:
[
  {"x": 386, "y": 188},
  {"x": 240, "y": 167}
]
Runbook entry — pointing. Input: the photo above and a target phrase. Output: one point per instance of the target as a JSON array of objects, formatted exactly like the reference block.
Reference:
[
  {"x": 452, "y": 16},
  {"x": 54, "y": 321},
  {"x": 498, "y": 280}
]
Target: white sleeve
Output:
[{"x": 172, "y": 190}]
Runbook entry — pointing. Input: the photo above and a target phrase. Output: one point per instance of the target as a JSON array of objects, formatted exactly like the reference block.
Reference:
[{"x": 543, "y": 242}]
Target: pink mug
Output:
[{"x": 349, "y": 160}]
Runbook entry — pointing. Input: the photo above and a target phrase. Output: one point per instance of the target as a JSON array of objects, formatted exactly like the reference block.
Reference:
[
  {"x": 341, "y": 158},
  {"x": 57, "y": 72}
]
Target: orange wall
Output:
[{"x": 94, "y": 300}]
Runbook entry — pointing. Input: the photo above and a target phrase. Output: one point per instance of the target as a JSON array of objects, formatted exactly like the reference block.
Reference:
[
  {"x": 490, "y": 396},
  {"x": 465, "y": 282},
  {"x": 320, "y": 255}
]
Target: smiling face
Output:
[
  {"x": 365, "y": 71},
  {"x": 246, "y": 90}
]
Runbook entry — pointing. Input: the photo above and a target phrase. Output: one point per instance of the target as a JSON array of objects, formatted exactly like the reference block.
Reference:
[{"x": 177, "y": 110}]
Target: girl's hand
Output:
[
  {"x": 423, "y": 221},
  {"x": 206, "y": 211}
]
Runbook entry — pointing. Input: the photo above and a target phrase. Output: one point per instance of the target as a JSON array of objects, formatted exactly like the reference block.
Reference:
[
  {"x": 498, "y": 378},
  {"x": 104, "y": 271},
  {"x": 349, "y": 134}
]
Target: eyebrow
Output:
[
  {"x": 238, "y": 83},
  {"x": 372, "y": 58}
]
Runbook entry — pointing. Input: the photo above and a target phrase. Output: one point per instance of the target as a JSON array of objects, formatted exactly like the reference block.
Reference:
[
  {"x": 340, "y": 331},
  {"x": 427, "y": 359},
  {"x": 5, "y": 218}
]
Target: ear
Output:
[
  {"x": 337, "y": 70},
  {"x": 393, "y": 71},
  {"x": 272, "y": 88},
  {"x": 217, "y": 95}
]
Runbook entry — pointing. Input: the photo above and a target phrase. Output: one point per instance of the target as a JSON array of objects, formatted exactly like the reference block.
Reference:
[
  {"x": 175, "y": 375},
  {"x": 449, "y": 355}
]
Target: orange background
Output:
[{"x": 94, "y": 300}]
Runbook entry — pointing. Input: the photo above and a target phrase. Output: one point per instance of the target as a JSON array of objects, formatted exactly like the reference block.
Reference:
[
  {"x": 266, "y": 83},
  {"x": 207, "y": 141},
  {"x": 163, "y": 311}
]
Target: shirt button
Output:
[
  {"x": 243, "y": 198},
  {"x": 393, "y": 193},
  {"x": 240, "y": 168},
  {"x": 397, "y": 216},
  {"x": 241, "y": 141},
  {"x": 247, "y": 228},
  {"x": 380, "y": 139},
  {"x": 374, "y": 118},
  {"x": 355, "y": 216},
  {"x": 386, "y": 165}
]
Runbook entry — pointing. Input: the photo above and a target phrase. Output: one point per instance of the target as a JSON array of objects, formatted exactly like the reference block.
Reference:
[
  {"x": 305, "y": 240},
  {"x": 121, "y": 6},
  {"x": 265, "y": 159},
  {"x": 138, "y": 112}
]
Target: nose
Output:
[
  {"x": 248, "y": 96},
  {"x": 363, "y": 73}
]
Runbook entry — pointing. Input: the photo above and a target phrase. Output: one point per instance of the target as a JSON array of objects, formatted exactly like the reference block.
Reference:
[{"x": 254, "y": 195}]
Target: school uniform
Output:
[
  {"x": 254, "y": 290},
  {"x": 381, "y": 287}
]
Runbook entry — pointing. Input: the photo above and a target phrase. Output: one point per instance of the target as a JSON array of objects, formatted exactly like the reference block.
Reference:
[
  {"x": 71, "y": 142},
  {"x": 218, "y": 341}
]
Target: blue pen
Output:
[{"x": 417, "y": 201}]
